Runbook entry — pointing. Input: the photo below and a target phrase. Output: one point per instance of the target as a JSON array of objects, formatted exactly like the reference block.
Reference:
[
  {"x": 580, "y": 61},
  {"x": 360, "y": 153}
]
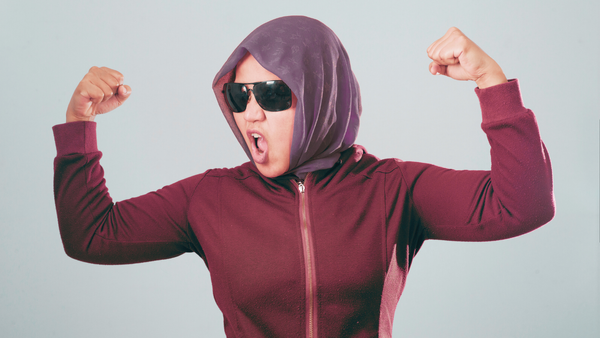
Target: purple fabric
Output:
[{"x": 310, "y": 59}]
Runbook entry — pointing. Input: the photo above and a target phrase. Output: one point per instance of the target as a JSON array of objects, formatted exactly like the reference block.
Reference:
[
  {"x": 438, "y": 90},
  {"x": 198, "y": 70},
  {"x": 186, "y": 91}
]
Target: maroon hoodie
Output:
[{"x": 323, "y": 256}]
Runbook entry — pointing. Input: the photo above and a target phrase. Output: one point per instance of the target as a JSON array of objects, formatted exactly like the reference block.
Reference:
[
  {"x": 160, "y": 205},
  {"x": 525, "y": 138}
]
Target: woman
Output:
[{"x": 314, "y": 236}]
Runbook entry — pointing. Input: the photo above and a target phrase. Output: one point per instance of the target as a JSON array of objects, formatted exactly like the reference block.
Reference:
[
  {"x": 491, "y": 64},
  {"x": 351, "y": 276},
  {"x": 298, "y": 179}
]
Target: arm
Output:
[
  {"x": 92, "y": 227},
  {"x": 457, "y": 57},
  {"x": 513, "y": 198}
]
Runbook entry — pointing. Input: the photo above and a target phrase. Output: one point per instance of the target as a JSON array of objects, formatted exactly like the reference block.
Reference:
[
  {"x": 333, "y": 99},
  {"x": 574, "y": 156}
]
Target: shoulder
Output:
[
  {"x": 357, "y": 161},
  {"x": 212, "y": 178},
  {"x": 240, "y": 172}
]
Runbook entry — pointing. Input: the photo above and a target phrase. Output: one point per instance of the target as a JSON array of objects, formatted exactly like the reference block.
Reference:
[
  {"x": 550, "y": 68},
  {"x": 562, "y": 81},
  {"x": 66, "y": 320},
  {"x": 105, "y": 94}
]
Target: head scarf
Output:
[{"x": 310, "y": 59}]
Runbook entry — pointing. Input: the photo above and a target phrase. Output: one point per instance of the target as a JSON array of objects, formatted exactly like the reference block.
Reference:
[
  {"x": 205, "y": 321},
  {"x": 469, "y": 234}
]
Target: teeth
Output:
[{"x": 255, "y": 135}]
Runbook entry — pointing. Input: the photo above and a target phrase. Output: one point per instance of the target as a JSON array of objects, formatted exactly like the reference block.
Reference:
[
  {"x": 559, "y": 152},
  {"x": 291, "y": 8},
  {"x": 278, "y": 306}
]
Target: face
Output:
[{"x": 268, "y": 134}]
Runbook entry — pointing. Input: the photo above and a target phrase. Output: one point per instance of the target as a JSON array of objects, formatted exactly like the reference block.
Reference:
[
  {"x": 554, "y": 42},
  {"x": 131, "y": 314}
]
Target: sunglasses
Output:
[{"x": 272, "y": 95}]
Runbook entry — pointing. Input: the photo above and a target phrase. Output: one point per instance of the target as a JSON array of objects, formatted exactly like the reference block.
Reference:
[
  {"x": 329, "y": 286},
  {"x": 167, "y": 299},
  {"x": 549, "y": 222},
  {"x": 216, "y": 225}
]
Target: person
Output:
[{"x": 313, "y": 236}]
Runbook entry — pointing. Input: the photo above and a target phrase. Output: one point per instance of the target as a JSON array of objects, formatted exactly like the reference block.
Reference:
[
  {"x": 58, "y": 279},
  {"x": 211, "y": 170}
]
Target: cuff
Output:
[
  {"x": 501, "y": 101},
  {"x": 75, "y": 138}
]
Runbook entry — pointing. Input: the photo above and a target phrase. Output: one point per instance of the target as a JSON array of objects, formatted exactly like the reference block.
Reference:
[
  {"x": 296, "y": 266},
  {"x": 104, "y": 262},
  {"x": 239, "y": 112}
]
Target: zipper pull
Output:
[{"x": 300, "y": 186}]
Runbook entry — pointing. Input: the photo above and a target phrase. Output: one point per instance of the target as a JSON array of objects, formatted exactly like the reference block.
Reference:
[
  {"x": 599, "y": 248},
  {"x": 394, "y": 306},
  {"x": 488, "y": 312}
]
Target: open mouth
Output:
[
  {"x": 259, "y": 142},
  {"x": 256, "y": 138},
  {"x": 259, "y": 146}
]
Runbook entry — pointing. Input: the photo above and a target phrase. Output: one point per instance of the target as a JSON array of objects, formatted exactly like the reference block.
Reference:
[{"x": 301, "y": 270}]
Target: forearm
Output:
[
  {"x": 521, "y": 171},
  {"x": 513, "y": 198},
  {"x": 93, "y": 229}
]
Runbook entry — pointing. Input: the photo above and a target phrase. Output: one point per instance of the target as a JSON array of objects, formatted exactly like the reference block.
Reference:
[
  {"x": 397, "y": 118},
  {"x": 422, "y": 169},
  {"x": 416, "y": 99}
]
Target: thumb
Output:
[
  {"x": 453, "y": 71},
  {"x": 437, "y": 69},
  {"x": 123, "y": 93}
]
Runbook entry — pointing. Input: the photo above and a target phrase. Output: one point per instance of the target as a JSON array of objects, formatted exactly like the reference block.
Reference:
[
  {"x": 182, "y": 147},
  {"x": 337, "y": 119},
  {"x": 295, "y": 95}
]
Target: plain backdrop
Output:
[{"x": 543, "y": 284}]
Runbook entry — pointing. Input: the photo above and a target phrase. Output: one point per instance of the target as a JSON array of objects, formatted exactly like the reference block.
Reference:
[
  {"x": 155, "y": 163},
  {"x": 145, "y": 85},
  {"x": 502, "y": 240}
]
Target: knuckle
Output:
[
  {"x": 456, "y": 33},
  {"x": 97, "y": 96},
  {"x": 87, "y": 79}
]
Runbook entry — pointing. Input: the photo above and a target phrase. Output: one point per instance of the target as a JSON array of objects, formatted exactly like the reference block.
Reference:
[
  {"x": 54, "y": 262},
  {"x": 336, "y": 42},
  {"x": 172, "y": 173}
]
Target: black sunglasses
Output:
[{"x": 273, "y": 95}]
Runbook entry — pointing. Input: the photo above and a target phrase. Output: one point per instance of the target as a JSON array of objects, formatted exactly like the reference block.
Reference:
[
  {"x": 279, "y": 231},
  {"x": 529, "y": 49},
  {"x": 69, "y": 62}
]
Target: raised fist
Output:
[
  {"x": 456, "y": 56},
  {"x": 100, "y": 91}
]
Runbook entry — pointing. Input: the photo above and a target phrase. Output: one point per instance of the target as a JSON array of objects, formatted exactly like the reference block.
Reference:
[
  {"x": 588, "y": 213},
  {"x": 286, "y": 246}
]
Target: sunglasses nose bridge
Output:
[
  {"x": 254, "y": 111},
  {"x": 249, "y": 91}
]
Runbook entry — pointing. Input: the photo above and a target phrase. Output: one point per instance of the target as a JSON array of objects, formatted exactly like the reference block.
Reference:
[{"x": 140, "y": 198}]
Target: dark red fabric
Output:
[{"x": 247, "y": 228}]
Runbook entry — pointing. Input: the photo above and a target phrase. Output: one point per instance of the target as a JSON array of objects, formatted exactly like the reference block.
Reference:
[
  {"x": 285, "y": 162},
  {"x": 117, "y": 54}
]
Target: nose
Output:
[{"x": 253, "y": 111}]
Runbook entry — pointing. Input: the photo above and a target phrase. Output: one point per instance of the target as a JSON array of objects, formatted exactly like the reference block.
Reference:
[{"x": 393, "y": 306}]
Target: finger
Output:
[
  {"x": 90, "y": 91},
  {"x": 112, "y": 78},
  {"x": 433, "y": 47},
  {"x": 93, "y": 79},
  {"x": 85, "y": 107},
  {"x": 123, "y": 93},
  {"x": 437, "y": 69},
  {"x": 446, "y": 47},
  {"x": 108, "y": 74},
  {"x": 436, "y": 43},
  {"x": 107, "y": 82},
  {"x": 449, "y": 54},
  {"x": 434, "y": 53},
  {"x": 115, "y": 74},
  {"x": 445, "y": 51},
  {"x": 107, "y": 92},
  {"x": 115, "y": 101},
  {"x": 442, "y": 40},
  {"x": 457, "y": 72},
  {"x": 124, "y": 90}
]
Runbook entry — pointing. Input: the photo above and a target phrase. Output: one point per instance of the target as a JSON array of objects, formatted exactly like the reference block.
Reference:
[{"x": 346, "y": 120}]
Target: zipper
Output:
[{"x": 309, "y": 264}]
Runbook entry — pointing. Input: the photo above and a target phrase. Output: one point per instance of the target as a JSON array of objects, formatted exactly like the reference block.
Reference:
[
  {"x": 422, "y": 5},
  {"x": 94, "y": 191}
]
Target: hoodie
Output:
[{"x": 323, "y": 256}]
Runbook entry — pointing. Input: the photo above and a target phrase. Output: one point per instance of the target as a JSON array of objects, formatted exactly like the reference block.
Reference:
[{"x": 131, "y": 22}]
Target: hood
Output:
[{"x": 310, "y": 59}]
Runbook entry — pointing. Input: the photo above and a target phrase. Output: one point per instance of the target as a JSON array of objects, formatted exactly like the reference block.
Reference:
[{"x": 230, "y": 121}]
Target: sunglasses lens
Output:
[
  {"x": 273, "y": 95},
  {"x": 237, "y": 96}
]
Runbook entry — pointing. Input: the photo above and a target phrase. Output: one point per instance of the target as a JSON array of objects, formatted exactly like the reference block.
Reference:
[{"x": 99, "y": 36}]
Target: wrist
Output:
[
  {"x": 71, "y": 118},
  {"x": 491, "y": 79}
]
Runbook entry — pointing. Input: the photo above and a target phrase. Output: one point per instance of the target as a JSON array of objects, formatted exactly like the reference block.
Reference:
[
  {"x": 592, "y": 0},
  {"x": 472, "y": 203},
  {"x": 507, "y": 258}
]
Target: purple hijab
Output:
[{"x": 311, "y": 60}]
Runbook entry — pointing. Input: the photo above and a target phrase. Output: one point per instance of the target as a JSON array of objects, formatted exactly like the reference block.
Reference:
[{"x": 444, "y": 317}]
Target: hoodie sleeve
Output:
[
  {"x": 515, "y": 197},
  {"x": 96, "y": 230}
]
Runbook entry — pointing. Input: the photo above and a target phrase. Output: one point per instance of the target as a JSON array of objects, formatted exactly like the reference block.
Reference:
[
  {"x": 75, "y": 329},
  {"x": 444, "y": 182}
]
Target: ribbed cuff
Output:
[
  {"x": 501, "y": 101},
  {"x": 75, "y": 138}
]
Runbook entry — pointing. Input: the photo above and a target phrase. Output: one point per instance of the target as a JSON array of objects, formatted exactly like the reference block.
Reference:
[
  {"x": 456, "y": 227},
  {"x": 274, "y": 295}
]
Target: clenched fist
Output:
[
  {"x": 100, "y": 91},
  {"x": 456, "y": 56}
]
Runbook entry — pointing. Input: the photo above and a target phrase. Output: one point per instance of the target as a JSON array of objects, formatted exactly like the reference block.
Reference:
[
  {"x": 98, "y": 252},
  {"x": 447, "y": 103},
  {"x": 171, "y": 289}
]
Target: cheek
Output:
[
  {"x": 240, "y": 122},
  {"x": 290, "y": 138},
  {"x": 287, "y": 136},
  {"x": 289, "y": 126}
]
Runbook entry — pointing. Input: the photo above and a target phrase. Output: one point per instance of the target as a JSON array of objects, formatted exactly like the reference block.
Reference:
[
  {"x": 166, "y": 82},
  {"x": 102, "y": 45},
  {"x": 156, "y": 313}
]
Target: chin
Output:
[{"x": 271, "y": 172}]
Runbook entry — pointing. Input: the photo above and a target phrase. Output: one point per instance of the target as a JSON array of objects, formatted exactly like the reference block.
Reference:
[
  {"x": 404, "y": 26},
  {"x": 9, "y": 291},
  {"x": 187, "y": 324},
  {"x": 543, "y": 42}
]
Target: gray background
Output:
[{"x": 543, "y": 284}]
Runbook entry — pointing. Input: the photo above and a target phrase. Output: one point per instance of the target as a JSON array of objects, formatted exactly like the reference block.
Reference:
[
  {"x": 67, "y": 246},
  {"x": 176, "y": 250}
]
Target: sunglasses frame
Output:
[{"x": 258, "y": 98}]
